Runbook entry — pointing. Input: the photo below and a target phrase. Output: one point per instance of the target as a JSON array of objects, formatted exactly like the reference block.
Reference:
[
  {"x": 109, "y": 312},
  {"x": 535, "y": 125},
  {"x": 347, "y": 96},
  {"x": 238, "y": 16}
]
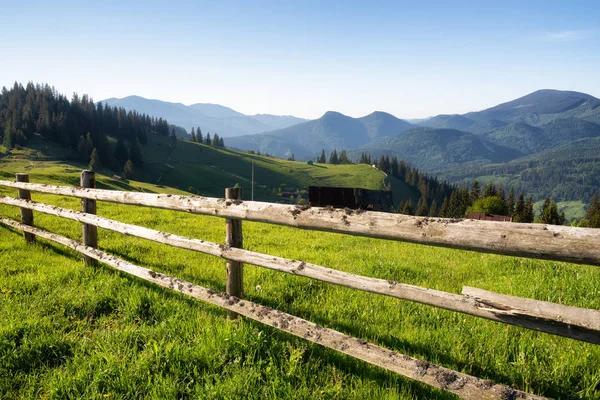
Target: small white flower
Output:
[{"x": 258, "y": 288}]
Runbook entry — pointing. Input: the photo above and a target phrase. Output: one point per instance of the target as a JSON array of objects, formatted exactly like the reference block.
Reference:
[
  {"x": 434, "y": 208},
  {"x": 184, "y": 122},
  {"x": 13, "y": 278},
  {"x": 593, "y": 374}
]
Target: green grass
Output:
[
  {"x": 209, "y": 170},
  {"x": 70, "y": 331}
]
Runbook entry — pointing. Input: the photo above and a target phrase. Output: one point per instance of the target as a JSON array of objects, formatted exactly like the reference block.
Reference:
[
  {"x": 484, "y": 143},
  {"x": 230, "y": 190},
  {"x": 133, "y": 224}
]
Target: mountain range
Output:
[
  {"x": 332, "y": 130},
  {"x": 211, "y": 118},
  {"x": 514, "y": 142}
]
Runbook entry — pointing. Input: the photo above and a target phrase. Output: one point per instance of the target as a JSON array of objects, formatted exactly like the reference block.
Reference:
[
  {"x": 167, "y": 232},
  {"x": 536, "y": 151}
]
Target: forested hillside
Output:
[
  {"x": 77, "y": 124},
  {"x": 46, "y": 129}
]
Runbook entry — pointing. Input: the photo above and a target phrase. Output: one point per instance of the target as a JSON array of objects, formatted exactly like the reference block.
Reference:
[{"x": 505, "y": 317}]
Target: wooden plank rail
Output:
[
  {"x": 573, "y": 322},
  {"x": 552, "y": 242},
  {"x": 465, "y": 386}
]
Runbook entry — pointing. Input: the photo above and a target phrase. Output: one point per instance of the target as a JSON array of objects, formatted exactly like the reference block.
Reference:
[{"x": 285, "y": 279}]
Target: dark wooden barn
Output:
[{"x": 353, "y": 198}]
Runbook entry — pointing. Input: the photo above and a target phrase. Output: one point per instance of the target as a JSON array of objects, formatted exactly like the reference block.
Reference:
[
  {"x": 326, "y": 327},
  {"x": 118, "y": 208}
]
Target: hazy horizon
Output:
[{"x": 306, "y": 58}]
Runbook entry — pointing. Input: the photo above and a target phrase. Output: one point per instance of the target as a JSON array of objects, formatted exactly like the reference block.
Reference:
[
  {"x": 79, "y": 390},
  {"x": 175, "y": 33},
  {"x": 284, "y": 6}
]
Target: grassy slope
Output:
[
  {"x": 74, "y": 332},
  {"x": 210, "y": 170}
]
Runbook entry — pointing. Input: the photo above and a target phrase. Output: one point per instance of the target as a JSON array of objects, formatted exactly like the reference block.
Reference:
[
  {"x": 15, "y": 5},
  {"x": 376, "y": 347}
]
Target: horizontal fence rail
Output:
[
  {"x": 559, "y": 243},
  {"x": 463, "y": 385},
  {"x": 573, "y": 322}
]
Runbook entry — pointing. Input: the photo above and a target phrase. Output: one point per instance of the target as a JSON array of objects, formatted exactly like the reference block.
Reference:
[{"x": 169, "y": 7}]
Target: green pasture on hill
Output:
[
  {"x": 207, "y": 170},
  {"x": 70, "y": 331}
]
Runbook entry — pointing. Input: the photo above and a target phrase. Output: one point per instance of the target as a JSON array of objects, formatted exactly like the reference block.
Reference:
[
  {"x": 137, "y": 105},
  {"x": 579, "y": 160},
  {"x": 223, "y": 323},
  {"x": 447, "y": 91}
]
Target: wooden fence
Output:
[{"x": 529, "y": 240}]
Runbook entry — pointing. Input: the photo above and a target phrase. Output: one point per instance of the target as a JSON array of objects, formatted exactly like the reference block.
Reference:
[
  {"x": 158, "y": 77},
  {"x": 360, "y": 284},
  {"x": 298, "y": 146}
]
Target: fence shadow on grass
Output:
[{"x": 554, "y": 390}]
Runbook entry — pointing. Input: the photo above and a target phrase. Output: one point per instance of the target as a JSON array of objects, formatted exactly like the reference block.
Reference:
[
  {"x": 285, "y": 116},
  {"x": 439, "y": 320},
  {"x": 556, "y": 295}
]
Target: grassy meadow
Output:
[
  {"x": 70, "y": 331},
  {"x": 207, "y": 170}
]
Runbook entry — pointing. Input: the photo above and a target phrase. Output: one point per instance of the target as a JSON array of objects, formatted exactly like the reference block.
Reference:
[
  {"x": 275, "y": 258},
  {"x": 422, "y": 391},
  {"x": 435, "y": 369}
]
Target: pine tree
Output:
[
  {"x": 193, "y": 135},
  {"x": 422, "y": 209},
  {"x": 489, "y": 190},
  {"x": 136, "y": 154},
  {"x": 444, "y": 208},
  {"x": 82, "y": 150},
  {"x": 511, "y": 202},
  {"x": 501, "y": 193},
  {"x": 400, "y": 207},
  {"x": 433, "y": 209},
  {"x": 215, "y": 141},
  {"x": 9, "y": 136},
  {"x": 550, "y": 215},
  {"x": 593, "y": 213},
  {"x": 408, "y": 208},
  {"x": 221, "y": 143},
  {"x": 519, "y": 214},
  {"x": 120, "y": 152},
  {"x": 208, "y": 140},
  {"x": 333, "y": 157},
  {"x": 128, "y": 170},
  {"x": 95, "y": 164},
  {"x": 344, "y": 157},
  {"x": 529, "y": 214},
  {"x": 322, "y": 159}
]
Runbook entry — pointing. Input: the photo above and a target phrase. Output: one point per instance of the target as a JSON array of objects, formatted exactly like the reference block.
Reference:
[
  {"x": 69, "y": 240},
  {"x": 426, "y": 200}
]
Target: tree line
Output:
[
  {"x": 79, "y": 124},
  {"x": 334, "y": 158},
  {"x": 215, "y": 141}
]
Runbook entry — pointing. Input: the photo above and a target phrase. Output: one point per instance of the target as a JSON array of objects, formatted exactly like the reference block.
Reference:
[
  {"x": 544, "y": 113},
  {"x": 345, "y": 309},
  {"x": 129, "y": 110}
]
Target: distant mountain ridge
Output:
[
  {"x": 213, "y": 118},
  {"x": 332, "y": 131},
  {"x": 457, "y": 147}
]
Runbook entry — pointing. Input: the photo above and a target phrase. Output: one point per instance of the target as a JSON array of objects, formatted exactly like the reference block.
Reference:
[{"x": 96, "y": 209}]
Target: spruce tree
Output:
[
  {"x": 193, "y": 135},
  {"x": 221, "y": 143},
  {"x": 444, "y": 208},
  {"x": 9, "y": 136},
  {"x": 82, "y": 150},
  {"x": 95, "y": 164},
  {"x": 344, "y": 157},
  {"x": 592, "y": 214},
  {"x": 489, "y": 190},
  {"x": 529, "y": 214},
  {"x": 208, "y": 140},
  {"x": 501, "y": 193},
  {"x": 433, "y": 209},
  {"x": 511, "y": 202},
  {"x": 322, "y": 159},
  {"x": 408, "y": 208},
  {"x": 215, "y": 141},
  {"x": 120, "y": 152},
  {"x": 128, "y": 170},
  {"x": 422, "y": 209},
  {"x": 136, "y": 154},
  {"x": 550, "y": 215},
  {"x": 519, "y": 214},
  {"x": 333, "y": 157}
]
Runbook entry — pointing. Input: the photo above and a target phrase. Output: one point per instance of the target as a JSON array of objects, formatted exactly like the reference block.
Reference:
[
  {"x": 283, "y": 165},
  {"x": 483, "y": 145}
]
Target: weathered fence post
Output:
[
  {"x": 26, "y": 214},
  {"x": 90, "y": 232},
  {"x": 233, "y": 238}
]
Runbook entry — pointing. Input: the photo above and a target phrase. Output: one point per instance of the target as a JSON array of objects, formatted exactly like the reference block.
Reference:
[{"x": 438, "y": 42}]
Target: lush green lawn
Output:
[{"x": 70, "y": 331}]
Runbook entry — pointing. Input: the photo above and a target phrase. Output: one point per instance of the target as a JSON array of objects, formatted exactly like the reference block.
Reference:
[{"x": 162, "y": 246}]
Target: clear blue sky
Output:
[{"x": 412, "y": 59}]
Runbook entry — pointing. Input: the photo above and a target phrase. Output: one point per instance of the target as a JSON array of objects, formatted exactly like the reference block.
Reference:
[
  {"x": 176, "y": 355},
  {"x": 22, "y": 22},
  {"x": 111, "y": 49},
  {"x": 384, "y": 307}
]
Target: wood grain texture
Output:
[
  {"x": 523, "y": 317},
  {"x": 551, "y": 242},
  {"x": 463, "y": 385}
]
